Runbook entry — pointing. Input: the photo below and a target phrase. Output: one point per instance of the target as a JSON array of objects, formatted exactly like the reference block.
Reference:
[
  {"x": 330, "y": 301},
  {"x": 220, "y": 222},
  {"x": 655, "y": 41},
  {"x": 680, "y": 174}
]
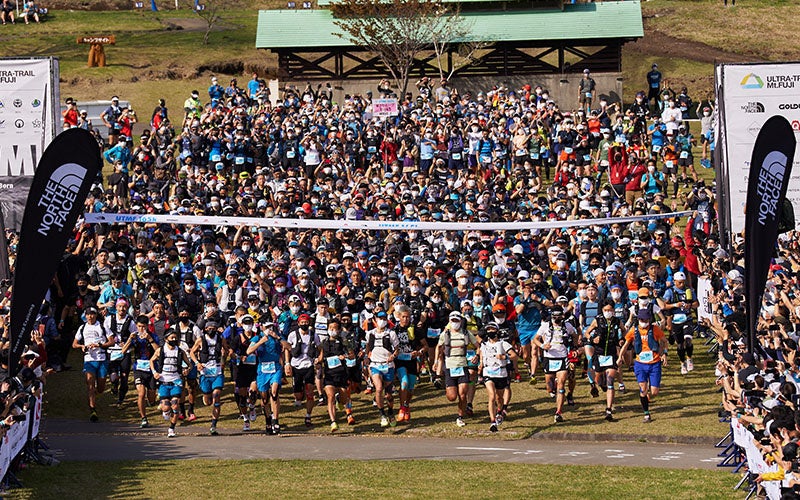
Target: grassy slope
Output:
[{"x": 355, "y": 479}]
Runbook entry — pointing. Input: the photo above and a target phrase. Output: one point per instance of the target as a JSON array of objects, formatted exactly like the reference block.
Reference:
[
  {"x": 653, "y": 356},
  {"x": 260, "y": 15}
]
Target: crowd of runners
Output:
[{"x": 177, "y": 311}]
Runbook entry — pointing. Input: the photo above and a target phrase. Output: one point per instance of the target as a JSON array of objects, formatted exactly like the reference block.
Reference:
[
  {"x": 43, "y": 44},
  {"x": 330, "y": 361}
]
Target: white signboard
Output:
[
  {"x": 29, "y": 119},
  {"x": 384, "y": 107},
  {"x": 704, "y": 294},
  {"x": 752, "y": 93}
]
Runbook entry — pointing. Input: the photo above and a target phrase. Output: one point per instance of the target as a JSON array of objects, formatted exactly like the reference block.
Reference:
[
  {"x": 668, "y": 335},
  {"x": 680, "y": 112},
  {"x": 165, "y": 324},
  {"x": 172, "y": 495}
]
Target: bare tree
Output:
[
  {"x": 453, "y": 30},
  {"x": 209, "y": 12},
  {"x": 397, "y": 31}
]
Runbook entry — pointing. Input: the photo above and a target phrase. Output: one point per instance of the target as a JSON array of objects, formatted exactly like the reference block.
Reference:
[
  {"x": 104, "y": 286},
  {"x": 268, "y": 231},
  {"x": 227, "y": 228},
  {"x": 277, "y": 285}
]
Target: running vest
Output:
[
  {"x": 297, "y": 349},
  {"x": 204, "y": 349},
  {"x": 170, "y": 363},
  {"x": 651, "y": 341}
]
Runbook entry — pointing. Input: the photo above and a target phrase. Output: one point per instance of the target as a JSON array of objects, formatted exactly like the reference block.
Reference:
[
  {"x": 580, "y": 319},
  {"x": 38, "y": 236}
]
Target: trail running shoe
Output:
[
  {"x": 558, "y": 418},
  {"x": 609, "y": 416},
  {"x": 351, "y": 420},
  {"x": 246, "y": 426},
  {"x": 93, "y": 416},
  {"x": 191, "y": 418},
  {"x": 308, "y": 421},
  {"x": 170, "y": 432},
  {"x": 276, "y": 429},
  {"x": 253, "y": 414},
  {"x": 145, "y": 424},
  {"x": 689, "y": 364},
  {"x": 384, "y": 422},
  {"x": 570, "y": 400},
  {"x": 213, "y": 431},
  {"x": 165, "y": 414},
  {"x": 460, "y": 422},
  {"x": 593, "y": 391},
  {"x": 334, "y": 427},
  {"x": 684, "y": 371},
  {"x": 647, "y": 418},
  {"x": 499, "y": 418},
  {"x": 493, "y": 427}
]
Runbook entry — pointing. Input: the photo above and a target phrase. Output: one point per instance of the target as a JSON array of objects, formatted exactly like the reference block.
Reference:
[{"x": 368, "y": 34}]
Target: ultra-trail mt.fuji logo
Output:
[
  {"x": 59, "y": 196},
  {"x": 752, "y": 81}
]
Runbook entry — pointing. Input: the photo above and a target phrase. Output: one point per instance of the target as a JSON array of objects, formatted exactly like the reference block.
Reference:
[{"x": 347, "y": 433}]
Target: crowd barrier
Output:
[{"x": 20, "y": 436}]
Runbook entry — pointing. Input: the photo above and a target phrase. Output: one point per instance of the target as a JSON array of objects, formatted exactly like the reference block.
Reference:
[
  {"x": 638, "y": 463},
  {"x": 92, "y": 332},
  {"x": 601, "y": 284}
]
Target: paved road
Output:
[{"x": 109, "y": 442}]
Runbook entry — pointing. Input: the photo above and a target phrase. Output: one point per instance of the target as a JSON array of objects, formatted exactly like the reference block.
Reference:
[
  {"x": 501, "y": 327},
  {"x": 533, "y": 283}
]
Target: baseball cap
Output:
[
  {"x": 304, "y": 317},
  {"x": 455, "y": 315},
  {"x": 644, "y": 292},
  {"x": 644, "y": 315},
  {"x": 679, "y": 276},
  {"x": 498, "y": 308},
  {"x": 247, "y": 319}
]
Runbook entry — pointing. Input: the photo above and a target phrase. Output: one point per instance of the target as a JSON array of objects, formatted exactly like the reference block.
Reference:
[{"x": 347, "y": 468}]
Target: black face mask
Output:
[
  {"x": 558, "y": 320},
  {"x": 303, "y": 327},
  {"x": 183, "y": 319},
  {"x": 211, "y": 333},
  {"x": 173, "y": 343}
]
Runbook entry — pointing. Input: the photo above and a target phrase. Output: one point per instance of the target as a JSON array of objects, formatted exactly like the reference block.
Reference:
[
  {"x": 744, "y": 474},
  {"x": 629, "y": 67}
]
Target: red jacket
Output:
[
  {"x": 635, "y": 171},
  {"x": 689, "y": 258},
  {"x": 617, "y": 170}
]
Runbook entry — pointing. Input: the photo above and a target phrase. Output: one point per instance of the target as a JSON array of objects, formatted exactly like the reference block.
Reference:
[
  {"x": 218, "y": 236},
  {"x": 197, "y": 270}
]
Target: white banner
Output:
[
  {"x": 373, "y": 225},
  {"x": 384, "y": 107},
  {"x": 29, "y": 119},
  {"x": 704, "y": 293},
  {"x": 752, "y": 94},
  {"x": 755, "y": 461}
]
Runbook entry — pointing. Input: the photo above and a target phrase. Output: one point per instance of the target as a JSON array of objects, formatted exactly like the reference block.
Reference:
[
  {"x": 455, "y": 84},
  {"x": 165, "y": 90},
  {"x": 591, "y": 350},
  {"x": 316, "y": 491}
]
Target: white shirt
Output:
[
  {"x": 93, "y": 334},
  {"x": 303, "y": 360},
  {"x": 492, "y": 366},
  {"x": 557, "y": 338}
]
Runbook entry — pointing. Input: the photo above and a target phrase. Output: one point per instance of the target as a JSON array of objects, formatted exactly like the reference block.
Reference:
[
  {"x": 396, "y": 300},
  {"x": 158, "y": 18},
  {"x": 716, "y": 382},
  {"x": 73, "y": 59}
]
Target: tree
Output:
[
  {"x": 209, "y": 11},
  {"x": 397, "y": 31},
  {"x": 453, "y": 29}
]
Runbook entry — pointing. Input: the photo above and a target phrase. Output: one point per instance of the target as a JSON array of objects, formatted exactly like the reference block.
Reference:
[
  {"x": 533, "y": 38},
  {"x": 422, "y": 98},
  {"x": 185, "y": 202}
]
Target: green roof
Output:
[{"x": 602, "y": 20}]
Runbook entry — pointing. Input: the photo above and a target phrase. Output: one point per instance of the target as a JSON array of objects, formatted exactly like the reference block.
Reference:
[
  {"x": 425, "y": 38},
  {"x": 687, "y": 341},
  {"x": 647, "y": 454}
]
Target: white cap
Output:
[
  {"x": 517, "y": 249},
  {"x": 523, "y": 275},
  {"x": 679, "y": 276},
  {"x": 734, "y": 275},
  {"x": 460, "y": 273}
]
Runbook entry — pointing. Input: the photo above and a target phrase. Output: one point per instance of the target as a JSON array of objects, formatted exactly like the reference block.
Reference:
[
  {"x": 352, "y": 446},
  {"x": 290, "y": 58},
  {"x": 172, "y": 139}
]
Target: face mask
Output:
[
  {"x": 183, "y": 320},
  {"x": 280, "y": 289},
  {"x": 333, "y": 333},
  {"x": 582, "y": 293},
  {"x": 557, "y": 320},
  {"x": 294, "y": 309},
  {"x": 584, "y": 257},
  {"x": 561, "y": 264},
  {"x": 382, "y": 323},
  {"x": 651, "y": 169},
  {"x": 140, "y": 261},
  {"x": 463, "y": 281},
  {"x": 369, "y": 306},
  {"x": 644, "y": 302},
  {"x": 304, "y": 282},
  {"x": 173, "y": 342},
  {"x": 455, "y": 325},
  {"x": 500, "y": 319},
  {"x": 413, "y": 289},
  {"x": 436, "y": 300},
  {"x": 478, "y": 299},
  {"x": 608, "y": 314},
  {"x": 211, "y": 310},
  {"x": 616, "y": 295},
  {"x": 211, "y": 333},
  {"x": 706, "y": 113},
  {"x": 511, "y": 292},
  {"x": 644, "y": 324},
  {"x": 248, "y": 327},
  {"x": 188, "y": 288},
  {"x": 245, "y": 248}
]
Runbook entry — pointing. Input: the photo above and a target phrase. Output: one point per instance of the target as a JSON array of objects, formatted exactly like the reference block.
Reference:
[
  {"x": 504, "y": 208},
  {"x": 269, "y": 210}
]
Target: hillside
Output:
[{"x": 161, "y": 54}]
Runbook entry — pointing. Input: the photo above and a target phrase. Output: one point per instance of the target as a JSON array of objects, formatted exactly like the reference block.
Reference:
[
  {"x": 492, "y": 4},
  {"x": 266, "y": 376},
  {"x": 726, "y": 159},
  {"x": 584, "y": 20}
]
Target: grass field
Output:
[
  {"x": 358, "y": 479},
  {"x": 686, "y": 407}
]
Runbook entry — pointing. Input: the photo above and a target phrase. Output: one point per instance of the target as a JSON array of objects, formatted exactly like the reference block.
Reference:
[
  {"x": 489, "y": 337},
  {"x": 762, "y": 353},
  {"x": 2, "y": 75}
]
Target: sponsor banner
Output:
[
  {"x": 704, "y": 293},
  {"x": 373, "y": 225},
  {"x": 29, "y": 119},
  {"x": 755, "y": 460},
  {"x": 752, "y": 94},
  {"x": 65, "y": 173},
  {"x": 384, "y": 107},
  {"x": 770, "y": 171}
]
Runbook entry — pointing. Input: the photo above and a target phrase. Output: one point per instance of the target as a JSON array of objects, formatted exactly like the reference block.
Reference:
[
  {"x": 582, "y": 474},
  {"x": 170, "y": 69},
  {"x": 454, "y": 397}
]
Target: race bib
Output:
[
  {"x": 646, "y": 357},
  {"x": 521, "y": 152},
  {"x": 143, "y": 365},
  {"x": 381, "y": 367},
  {"x": 669, "y": 163},
  {"x": 267, "y": 368},
  {"x": 684, "y": 154},
  {"x": 535, "y": 156},
  {"x": 404, "y": 356},
  {"x": 494, "y": 372},
  {"x": 568, "y": 150},
  {"x": 211, "y": 371},
  {"x": 555, "y": 365},
  {"x": 350, "y": 362},
  {"x": 457, "y": 371},
  {"x": 456, "y": 156},
  {"x": 371, "y": 149},
  {"x": 605, "y": 361},
  {"x": 250, "y": 360},
  {"x": 333, "y": 361},
  {"x": 471, "y": 356},
  {"x": 115, "y": 355},
  {"x": 588, "y": 94},
  {"x": 290, "y": 154},
  {"x": 433, "y": 333},
  {"x": 486, "y": 159},
  {"x": 656, "y": 148},
  {"x": 587, "y": 157},
  {"x": 239, "y": 160},
  {"x": 216, "y": 158},
  {"x": 679, "y": 318}
]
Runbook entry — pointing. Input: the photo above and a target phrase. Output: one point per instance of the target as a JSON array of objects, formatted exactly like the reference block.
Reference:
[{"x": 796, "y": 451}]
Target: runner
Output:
[
  {"x": 382, "y": 349},
  {"x": 333, "y": 357},
  {"x": 554, "y": 338},
  {"x": 529, "y": 308},
  {"x": 166, "y": 368},
  {"x": 209, "y": 353},
  {"x": 452, "y": 348},
  {"x": 140, "y": 348},
  {"x": 268, "y": 347},
  {"x": 495, "y": 355},
  {"x": 93, "y": 339},
  {"x": 680, "y": 301},
  {"x": 122, "y": 325},
  {"x": 605, "y": 333},
  {"x": 188, "y": 333},
  {"x": 412, "y": 350},
  {"x": 650, "y": 347},
  {"x": 303, "y": 344},
  {"x": 246, "y": 386}
]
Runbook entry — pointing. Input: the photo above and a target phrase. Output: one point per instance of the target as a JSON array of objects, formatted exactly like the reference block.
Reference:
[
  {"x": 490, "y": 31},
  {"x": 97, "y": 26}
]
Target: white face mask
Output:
[
  {"x": 454, "y": 325},
  {"x": 499, "y": 320},
  {"x": 608, "y": 314},
  {"x": 436, "y": 300},
  {"x": 561, "y": 264},
  {"x": 245, "y": 248},
  {"x": 463, "y": 281},
  {"x": 369, "y": 306},
  {"x": 478, "y": 299},
  {"x": 582, "y": 293},
  {"x": 280, "y": 289},
  {"x": 616, "y": 295},
  {"x": 413, "y": 289},
  {"x": 294, "y": 309},
  {"x": 248, "y": 327},
  {"x": 140, "y": 261},
  {"x": 304, "y": 282},
  {"x": 644, "y": 302},
  {"x": 333, "y": 333},
  {"x": 382, "y": 323}
]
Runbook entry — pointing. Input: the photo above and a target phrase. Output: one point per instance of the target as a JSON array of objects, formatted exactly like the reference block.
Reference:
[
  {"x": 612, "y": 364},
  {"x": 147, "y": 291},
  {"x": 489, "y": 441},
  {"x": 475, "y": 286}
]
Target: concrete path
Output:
[{"x": 71, "y": 440}]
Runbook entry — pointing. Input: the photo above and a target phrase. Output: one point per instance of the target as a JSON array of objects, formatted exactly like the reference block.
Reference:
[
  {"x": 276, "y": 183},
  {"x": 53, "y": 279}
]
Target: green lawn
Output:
[
  {"x": 687, "y": 406},
  {"x": 359, "y": 479}
]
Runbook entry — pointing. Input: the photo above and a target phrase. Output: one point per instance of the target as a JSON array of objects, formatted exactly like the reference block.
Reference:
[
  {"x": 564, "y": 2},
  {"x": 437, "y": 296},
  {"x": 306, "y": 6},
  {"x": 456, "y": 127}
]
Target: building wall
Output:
[{"x": 563, "y": 89}]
